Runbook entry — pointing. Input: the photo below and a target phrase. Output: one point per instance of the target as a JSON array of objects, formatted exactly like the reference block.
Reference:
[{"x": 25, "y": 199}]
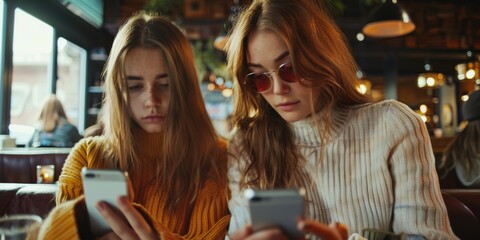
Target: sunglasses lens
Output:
[
  {"x": 286, "y": 73},
  {"x": 258, "y": 82}
]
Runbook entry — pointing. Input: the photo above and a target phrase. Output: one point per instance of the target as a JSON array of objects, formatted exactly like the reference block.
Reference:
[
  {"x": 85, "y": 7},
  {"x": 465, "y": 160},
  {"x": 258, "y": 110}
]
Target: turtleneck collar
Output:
[
  {"x": 305, "y": 130},
  {"x": 148, "y": 144}
]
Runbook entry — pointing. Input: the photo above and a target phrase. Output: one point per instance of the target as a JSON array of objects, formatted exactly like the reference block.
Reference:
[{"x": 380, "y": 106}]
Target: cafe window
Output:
[
  {"x": 71, "y": 70},
  {"x": 1, "y": 26},
  {"x": 32, "y": 75},
  {"x": 32, "y": 54}
]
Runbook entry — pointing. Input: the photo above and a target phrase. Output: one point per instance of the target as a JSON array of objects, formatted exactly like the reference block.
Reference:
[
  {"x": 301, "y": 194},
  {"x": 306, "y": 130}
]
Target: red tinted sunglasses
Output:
[{"x": 262, "y": 82}]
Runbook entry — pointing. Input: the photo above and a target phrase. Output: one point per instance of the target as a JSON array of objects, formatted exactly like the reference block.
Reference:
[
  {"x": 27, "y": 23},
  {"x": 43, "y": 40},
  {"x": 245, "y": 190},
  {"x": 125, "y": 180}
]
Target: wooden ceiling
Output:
[{"x": 445, "y": 30}]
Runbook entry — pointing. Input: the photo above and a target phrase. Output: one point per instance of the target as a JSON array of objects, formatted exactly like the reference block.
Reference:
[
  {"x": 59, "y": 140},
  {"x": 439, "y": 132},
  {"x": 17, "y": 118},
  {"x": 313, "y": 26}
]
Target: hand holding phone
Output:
[
  {"x": 102, "y": 185},
  {"x": 276, "y": 208}
]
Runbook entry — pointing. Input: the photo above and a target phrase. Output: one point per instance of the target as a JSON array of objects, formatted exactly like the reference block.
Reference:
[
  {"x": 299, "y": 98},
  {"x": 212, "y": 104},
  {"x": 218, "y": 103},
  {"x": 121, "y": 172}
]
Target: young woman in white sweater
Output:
[{"x": 301, "y": 123}]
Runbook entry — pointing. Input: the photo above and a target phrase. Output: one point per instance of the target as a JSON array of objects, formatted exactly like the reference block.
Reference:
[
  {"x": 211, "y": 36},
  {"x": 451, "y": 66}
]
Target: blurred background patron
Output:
[
  {"x": 54, "y": 129},
  {"x": 462, "y": 156}
]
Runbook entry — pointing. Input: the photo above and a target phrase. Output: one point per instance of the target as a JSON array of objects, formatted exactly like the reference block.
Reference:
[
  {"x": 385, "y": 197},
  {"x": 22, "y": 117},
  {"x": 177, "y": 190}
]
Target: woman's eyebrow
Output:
[
  {"x": 282, "y": 56},
  {"x": 276, "y": 60},
  {"x": 137, "y": 78},
  {"x": 160, "y": 76},
  {"x": 133, "y": 78}
]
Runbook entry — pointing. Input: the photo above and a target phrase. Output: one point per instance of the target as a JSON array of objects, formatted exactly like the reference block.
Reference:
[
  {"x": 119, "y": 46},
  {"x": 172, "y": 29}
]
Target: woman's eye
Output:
[
  {"x": 134, "y": 87},
  {"x": 163, "y": 86}
]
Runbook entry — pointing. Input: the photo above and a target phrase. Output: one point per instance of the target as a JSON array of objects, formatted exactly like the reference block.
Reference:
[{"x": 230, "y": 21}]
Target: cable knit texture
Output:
[
  {"x": 208, "y": 218},
  {"x": 378, "y": 172}
]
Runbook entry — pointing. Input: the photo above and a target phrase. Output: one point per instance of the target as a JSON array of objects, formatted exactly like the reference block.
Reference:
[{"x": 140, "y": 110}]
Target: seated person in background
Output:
[
  {"x": 463, "y": 154},
  {"x": 300, "y": 123},
  {"x": 157, "y": 129},
  {"x": 55, "y": 130}
]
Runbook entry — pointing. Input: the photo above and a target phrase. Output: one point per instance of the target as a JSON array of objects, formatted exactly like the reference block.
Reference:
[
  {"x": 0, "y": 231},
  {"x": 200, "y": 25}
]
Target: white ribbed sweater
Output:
[{"x": 378, "y": 172}]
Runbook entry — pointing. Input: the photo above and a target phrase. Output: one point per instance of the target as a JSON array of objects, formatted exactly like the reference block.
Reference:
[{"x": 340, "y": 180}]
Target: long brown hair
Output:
[
  {"x": 463, "y": 149},
  {"x": 180, "y": 171},
  {"x": 52, "y": 113},
  {"x": 320, "y": 56}
]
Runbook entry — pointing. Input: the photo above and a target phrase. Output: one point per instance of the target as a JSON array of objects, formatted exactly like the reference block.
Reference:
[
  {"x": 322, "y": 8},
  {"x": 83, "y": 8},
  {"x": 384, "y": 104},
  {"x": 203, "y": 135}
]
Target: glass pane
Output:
[
  {"x": 1, "y": 25},
  {"x": 71, "y": 68},
  {"x": 31, "y": 66}
]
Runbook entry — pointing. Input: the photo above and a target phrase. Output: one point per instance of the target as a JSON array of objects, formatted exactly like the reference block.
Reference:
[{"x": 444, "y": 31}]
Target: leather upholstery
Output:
[
  {"x": 463, "y": 206},
  {"x": 22, "y": 168},
  {"x": 17, "y": 198}
]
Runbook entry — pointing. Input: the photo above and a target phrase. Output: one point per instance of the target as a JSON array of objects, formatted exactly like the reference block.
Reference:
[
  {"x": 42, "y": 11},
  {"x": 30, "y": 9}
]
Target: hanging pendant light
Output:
[
  {"x": 430, "y": 79},
  {"x": 389, "y": 19},
  {"x": 469, "y": 70}
]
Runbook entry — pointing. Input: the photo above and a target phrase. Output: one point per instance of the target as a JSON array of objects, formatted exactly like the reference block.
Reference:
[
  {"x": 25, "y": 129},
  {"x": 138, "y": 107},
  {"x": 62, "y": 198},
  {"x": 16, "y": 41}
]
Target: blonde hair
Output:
[
  {"x": 320, "y": 56},
  {"x": 180, "y": 172},
  {"x": 463, "y": 149},
  {"x": 52, "y": 113}
]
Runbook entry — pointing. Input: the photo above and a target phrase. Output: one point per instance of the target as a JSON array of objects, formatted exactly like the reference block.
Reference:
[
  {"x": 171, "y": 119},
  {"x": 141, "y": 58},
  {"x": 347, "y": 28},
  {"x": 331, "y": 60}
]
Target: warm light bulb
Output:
[
  {"x": 227, "y": 92},
  {"x": 362, "y": 88},
  {"x": 470, "y": 73},
  {"x": 430, "y": 82},
  {"x": 360, "y": 37},
  {"x": 464, "y": 98},
  {"x": 421, "y": 81},
  {"x": 211, "y": 87},
  {"x": 423, "y": 108}
]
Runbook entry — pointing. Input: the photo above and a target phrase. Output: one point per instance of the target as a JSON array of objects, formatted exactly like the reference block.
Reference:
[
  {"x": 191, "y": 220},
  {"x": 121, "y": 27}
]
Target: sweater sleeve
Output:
[
  {"x": 65, "y": 220},
  {"x": 59, "y": 224},
  {"x": 70, "y": 181},
  {"x": 419, "y": 207}
]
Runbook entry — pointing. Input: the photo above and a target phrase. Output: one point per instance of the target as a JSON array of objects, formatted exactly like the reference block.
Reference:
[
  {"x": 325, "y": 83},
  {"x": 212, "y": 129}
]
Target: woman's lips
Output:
[
  {"x": 288, "y": 106},
  {"x": 153, "y": 119}
]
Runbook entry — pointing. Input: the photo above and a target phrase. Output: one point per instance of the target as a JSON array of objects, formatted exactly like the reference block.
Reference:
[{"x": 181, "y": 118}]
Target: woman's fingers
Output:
[
  {"x": 128, "y": 223},
  {"x": 109, "y": 236},
  {"x": 341, "y": 228},
  {"x": 247, "y": 233},
  {"x": 242, "y": 233},
  {"x": 274, "y": 233},
  {"x": 136, "y": 220},
  {"x": 117, "y": 222},
  {"x": 334, "y": 231}
]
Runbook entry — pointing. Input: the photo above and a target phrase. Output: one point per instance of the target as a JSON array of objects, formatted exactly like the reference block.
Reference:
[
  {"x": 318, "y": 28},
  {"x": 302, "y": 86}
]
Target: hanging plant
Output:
[
  {"x": 207, "y": 57},
  {"x": 171, "y": 8}
]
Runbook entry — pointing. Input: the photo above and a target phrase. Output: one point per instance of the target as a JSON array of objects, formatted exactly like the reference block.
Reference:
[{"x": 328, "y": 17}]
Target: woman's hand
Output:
[
  {"x": 334, "y": 231},
  {"x": 127, "y": 223},
  {"x": 246, "y": 233}
]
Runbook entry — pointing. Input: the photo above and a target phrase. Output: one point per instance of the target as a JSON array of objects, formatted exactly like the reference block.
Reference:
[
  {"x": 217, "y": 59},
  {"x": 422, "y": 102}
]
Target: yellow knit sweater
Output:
[{"x": 207, "y": 218}]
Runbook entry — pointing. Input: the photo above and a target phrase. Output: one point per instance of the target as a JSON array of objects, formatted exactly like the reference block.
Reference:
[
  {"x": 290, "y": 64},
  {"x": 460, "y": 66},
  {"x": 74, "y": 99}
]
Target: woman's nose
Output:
[
  {"x": 279, "y": 86},
  {"x": 152, "y": 98}
]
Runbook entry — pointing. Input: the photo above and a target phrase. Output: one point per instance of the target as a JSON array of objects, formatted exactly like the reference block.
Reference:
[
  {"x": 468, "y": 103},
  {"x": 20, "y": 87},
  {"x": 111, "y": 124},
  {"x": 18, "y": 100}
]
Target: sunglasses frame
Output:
[{"x": 269, "y": 76}]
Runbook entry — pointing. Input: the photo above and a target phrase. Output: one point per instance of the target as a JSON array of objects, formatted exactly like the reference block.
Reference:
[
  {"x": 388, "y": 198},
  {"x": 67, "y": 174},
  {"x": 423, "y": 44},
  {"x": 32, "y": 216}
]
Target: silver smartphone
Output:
[
  {"x": 102, "y": 185},
  {"x": 280, "y": 208}
]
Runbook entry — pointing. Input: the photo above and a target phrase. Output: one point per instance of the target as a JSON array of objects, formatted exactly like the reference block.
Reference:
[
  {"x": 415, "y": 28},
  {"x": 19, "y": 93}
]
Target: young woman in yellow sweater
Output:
[{"x": 156, "y": 129}]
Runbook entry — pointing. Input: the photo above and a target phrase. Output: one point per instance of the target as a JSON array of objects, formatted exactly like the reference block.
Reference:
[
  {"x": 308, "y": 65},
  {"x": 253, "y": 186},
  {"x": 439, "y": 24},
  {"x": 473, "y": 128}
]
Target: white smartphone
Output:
[
  {"x": 102, "y": 185},
  {"x": 280, "y": 208}
]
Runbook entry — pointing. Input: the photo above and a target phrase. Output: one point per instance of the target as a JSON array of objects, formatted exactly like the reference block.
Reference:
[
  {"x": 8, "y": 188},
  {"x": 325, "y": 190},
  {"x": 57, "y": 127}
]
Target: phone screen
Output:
[
  {"x": 280, "y": 208},
  {"x": 102, "y": 185}
]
